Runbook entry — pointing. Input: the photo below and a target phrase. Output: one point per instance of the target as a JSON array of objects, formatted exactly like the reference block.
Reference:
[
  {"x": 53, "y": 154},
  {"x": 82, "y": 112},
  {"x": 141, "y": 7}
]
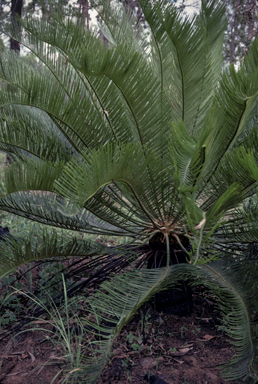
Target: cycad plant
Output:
[{"x": 137, "y": 135}]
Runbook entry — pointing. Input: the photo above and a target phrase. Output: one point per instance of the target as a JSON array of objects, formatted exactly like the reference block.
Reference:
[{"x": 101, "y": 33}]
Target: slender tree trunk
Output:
[
  {"x": 84, "y": 4},
  {"x": 233, "y": 32},
  {"x": 16, "y": 10},
  {"x": 251, "y": 17}
]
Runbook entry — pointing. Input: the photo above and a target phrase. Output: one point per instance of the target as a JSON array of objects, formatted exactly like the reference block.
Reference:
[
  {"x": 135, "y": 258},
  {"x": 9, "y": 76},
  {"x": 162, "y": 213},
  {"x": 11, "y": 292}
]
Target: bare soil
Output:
[{"x": 177, "y": 351}]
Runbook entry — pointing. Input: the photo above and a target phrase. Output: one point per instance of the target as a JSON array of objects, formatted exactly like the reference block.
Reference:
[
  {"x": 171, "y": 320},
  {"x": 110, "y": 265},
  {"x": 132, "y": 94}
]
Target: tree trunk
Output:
[
  {"x": 178, "y": 300},
  {"x": 16, "y": 10},
  {"x": 233, "y": 32},
  {"x": 251, "y": 17},
  {"x": 85, "y": 7}
]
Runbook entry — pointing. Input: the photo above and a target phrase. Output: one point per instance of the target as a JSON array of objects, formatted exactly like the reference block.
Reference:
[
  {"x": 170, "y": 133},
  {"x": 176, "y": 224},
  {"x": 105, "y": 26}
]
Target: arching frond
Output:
[
  {"x": 40, "y": 245},
  {"x": 46, "y": 208},
  {"x": 233, "y": 107},
  {"x": 28, "y": 131},
  {"x": 119, "y": 299}
]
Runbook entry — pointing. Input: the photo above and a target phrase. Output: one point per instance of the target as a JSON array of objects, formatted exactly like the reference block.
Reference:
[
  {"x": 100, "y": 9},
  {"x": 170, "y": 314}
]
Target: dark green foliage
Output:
[{"x": 10, "y": 305}]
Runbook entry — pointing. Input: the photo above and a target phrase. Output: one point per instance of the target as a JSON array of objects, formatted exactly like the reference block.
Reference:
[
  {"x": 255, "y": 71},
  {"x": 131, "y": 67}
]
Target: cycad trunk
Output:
[{"x": 178, "y": 300}]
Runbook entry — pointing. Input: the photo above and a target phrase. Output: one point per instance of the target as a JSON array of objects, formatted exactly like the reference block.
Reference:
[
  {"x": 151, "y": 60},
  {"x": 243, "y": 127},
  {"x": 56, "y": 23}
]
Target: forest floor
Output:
[{"x": 178, "y": 350}]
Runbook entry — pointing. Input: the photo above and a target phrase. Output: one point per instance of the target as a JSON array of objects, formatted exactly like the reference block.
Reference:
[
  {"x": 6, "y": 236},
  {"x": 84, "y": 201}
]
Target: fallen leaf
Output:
[
  {"x": 117, "y": 350},
  {"x": 208, "y": 337},
  {"x": 33, "y": 358},
  {"x": 178, "y": 361},
  {"x": 168, "y": 362},
  {"x": 57, "y": 358},
  {"x": 181, "y": 352},
  {"x": 118, "y": 353},
  {"x": 148, "y": 362},
  {"x": 15, "y": 373},
  {"x": 18, "y": 353},
  {"x": 120, "y": 356},
  {"x": 185, "y": 346}
]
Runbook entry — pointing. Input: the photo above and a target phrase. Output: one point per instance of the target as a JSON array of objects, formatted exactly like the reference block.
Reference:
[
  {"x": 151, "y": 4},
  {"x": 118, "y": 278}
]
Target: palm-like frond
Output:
[
  {"x": 43, "y": 244},
  {"x": 188, "y": 64},
  {"x": 235, "y": 101},
  {"x": 142, "y": 138},
  {"x": 46, "y": 208},
  {"x": 118, "y": 300},
  {"x": 22, "y": 128}
]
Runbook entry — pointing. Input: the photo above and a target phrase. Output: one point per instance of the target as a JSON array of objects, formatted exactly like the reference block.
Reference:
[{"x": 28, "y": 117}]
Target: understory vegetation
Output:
[{"x": 134, "y": 159}]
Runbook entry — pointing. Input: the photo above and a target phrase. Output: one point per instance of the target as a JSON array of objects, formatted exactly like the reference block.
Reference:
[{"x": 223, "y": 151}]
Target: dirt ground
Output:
[{"x": 177, "y": 351}]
